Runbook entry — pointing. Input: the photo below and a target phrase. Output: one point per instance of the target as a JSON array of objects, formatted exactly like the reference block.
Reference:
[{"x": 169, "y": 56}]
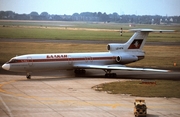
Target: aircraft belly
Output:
[
  {"x": 96, "y": 62},
  {"x": 43, "y": 66}
]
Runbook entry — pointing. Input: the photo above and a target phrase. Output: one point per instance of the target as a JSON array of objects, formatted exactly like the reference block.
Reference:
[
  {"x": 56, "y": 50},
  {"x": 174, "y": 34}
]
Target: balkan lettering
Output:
[{"x": 56, "y": 56}]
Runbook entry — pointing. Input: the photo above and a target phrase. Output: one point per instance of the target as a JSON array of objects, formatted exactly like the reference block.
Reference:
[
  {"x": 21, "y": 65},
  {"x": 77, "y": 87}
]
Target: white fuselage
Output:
[{"x": 57, "y": 61}]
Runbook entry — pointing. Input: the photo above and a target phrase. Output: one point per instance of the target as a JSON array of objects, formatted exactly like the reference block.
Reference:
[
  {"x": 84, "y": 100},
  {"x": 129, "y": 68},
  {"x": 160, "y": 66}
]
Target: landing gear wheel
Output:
[
  {"x": 110, "y": 75},
  {"x": 28, "y": 76},
  {"x": 79, "y": 71}
]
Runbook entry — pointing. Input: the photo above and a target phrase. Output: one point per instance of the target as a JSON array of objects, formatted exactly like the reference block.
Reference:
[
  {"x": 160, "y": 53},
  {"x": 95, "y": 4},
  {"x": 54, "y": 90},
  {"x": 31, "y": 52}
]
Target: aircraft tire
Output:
[
  {"x": 110, "y": 75},
  {"x": 28, "y": 76},
  {"x": 79, "y": 71}
]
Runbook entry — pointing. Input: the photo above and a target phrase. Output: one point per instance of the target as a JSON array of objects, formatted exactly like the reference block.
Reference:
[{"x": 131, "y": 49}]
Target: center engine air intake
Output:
[{"x": 114, "y": 47}]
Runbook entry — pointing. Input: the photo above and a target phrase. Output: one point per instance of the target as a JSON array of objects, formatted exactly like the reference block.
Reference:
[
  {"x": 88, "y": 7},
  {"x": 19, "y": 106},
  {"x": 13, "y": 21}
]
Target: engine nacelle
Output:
[
  {"x": 126, "y": 58},
  {"x": 115, "y": 47}
]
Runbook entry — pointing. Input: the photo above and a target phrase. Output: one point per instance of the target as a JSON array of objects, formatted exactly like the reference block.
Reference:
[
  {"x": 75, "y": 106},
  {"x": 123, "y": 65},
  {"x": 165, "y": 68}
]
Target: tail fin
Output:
[{"x": 138, "y": 40}]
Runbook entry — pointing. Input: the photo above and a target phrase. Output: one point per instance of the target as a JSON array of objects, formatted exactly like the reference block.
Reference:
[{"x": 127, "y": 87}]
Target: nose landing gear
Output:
[{"x": 28, "y": 75}]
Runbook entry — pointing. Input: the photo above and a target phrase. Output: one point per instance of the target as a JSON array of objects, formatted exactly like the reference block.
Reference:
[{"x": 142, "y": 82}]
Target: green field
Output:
[
  {"x": 53, "y": 33},
  {"x": 162, "y": 88},
  {"x": 80, "y": 31}
]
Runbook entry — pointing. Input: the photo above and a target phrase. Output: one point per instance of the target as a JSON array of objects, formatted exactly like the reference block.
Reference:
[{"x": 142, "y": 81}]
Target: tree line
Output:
[{"x": 92, "y": 16}]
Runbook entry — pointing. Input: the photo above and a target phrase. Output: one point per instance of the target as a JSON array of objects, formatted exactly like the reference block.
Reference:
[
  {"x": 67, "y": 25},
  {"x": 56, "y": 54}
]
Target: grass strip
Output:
[
  {"x": 29, "y": 32},
  {"x": 162, "y": 88}
]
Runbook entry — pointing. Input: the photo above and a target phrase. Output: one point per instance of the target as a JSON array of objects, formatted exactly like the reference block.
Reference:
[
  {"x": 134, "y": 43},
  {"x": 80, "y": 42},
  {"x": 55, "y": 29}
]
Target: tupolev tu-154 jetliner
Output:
[{"x": 115, "y": 59}]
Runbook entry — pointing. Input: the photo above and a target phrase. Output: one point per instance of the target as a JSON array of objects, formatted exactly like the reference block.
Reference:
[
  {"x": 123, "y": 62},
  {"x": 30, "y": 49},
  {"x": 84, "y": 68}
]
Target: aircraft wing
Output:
[{"x": 116, "y": 67}]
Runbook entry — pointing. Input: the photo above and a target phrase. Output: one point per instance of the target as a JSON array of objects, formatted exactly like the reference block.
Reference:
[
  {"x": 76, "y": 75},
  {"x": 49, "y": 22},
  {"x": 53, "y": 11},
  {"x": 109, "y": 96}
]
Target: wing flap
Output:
[{"x": 116, "y": 67}]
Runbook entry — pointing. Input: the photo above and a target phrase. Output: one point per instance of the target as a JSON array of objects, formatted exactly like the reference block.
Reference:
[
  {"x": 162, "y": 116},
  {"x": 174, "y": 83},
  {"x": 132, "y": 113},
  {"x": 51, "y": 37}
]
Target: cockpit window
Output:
[{"x": 13, "y": 61}]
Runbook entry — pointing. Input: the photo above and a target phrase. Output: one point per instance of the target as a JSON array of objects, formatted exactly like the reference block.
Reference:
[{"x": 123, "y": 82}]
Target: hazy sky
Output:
[{"x": 68, "y": 7}]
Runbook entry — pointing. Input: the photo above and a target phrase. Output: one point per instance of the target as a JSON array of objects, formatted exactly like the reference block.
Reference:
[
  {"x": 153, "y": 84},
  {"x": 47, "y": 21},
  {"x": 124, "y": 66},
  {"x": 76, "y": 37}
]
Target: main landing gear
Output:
[
  {"x": 79, "y": 71},
  {"x": 109, "y": 74},
  {"x": 28, "y": 75}
]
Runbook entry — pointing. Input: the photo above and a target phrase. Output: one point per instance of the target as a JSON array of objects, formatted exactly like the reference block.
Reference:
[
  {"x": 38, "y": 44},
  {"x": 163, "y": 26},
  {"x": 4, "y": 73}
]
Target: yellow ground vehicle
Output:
[{"x": 140, "y": 109}]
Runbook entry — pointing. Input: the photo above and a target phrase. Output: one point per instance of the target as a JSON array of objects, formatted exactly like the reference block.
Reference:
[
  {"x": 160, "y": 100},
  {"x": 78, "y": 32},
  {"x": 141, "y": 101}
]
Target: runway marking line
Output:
[
  {"x": 7, "y": 108},
  {"x": 68, "y": 102},
  {"x": 53, "y": 101},
  {"x": 5, "y": 83},
  {"x": 11, "y": 93}
]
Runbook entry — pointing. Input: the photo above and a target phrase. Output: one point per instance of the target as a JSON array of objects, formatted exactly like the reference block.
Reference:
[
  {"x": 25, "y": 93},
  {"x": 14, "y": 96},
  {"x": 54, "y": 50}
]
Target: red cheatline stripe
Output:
[{"x": 61, "y": 59}]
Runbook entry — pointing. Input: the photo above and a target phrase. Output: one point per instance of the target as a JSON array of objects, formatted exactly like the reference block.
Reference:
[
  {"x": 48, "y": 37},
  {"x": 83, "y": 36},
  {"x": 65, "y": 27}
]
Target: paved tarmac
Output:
[{"x": 61, "y": 94}]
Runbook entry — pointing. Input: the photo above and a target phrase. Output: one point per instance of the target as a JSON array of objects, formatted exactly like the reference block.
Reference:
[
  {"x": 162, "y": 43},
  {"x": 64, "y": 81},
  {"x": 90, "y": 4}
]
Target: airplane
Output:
[{"x": 115, "y": 58}]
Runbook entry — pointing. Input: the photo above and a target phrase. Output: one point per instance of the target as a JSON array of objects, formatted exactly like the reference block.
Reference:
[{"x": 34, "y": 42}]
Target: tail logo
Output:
[{"x": 136, "y": 44}]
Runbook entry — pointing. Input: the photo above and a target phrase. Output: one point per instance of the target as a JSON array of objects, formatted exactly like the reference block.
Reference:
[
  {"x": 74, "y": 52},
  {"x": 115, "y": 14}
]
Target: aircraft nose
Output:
[{"x": 6, "y": 66}]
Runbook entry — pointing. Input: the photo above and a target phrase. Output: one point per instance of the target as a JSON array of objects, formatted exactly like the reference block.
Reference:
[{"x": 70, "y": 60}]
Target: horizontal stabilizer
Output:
[{"x": 150, "y": 30}]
